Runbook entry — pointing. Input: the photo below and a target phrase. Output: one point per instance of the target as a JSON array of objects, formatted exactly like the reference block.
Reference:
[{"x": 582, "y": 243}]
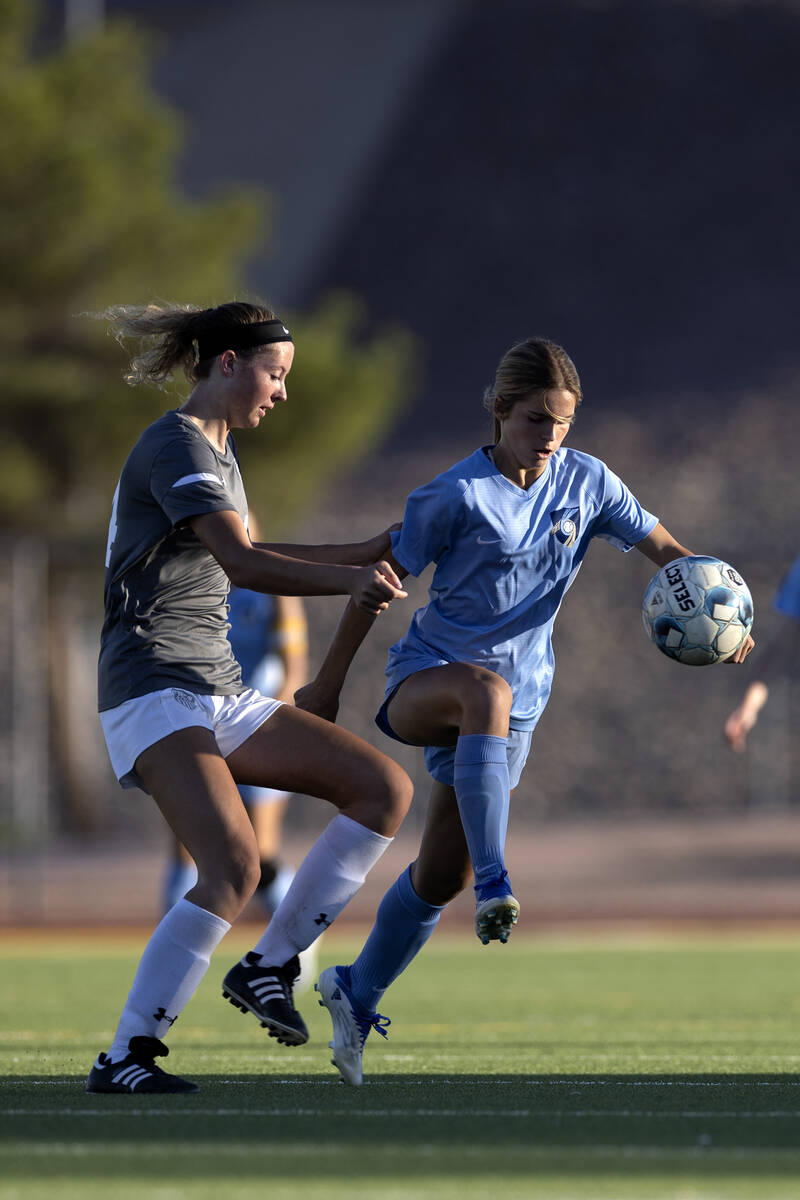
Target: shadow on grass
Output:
[{"x": 416, "y": 1124}]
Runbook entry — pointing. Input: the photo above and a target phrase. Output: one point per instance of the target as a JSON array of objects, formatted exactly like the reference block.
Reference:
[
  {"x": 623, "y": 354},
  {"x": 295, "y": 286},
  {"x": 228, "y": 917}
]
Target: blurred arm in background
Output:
[
  {"x": 291, "y": 644},
  {"x": 780, "y": 657}
]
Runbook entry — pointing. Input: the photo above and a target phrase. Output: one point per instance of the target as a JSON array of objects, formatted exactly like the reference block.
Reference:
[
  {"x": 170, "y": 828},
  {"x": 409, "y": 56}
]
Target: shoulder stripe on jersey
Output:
[{"x": 199, "y": 477}]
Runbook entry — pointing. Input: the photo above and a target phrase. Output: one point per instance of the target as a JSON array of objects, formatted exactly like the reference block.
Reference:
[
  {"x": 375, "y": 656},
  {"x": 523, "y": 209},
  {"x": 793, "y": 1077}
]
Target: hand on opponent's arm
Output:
[
  {"x": 372, "y": 587},
  {"x": 661, "y": 548},
  {"x": 358, "y": 554},
  {"x": 321, "y": 695}
]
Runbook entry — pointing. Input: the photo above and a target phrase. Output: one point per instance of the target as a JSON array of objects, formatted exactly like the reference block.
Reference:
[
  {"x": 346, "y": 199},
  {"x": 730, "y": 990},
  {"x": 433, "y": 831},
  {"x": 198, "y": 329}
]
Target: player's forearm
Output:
[
  {"x": 372, "y": 586},
  {"x": 359, "y": 554},
  {"x": 353, "y": 628},
  {"x": 661, "y": 547},
  {"x": 282, "y": 574}
]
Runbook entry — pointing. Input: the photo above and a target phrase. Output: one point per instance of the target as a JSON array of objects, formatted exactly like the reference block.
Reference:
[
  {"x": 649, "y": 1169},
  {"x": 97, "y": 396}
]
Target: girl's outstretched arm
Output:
[
  {"x": 321, "y": 695},
  {"x": 661, "y": 547},
  {"x": 358, "y": 554},
  {"x": 371, "y": 587}
]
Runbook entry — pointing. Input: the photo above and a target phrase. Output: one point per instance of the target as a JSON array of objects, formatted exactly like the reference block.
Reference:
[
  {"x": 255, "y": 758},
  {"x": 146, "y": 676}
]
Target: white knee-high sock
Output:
[
  {"x": 326, "y": 880},
  {"x": 174, "y": 961}
]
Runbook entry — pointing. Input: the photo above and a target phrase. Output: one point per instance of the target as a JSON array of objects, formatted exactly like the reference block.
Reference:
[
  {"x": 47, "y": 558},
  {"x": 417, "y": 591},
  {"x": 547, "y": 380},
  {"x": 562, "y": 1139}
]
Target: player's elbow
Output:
[{"x": 239, "y": 569}]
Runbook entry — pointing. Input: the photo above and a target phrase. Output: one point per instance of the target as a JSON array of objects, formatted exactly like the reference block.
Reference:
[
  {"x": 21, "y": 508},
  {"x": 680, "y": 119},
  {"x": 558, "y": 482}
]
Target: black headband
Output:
[{"x": 242, "y": 337}]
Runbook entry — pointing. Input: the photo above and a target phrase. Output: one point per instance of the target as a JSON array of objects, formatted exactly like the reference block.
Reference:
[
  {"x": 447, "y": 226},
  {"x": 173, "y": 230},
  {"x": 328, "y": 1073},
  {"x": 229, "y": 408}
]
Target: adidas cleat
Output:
[
  {"x": 351, "y": 1023},
  {"x": 136, "y": 1072},
  {"x": 266, "y": 992},
  {"x": 497, "y": 911}
]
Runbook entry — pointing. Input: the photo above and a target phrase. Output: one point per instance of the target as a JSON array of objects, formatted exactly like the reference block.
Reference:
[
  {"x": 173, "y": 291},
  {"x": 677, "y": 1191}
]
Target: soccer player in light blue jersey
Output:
[
  {"x": 178, "y": 720},
  {"x": 781, "y": 654},
  {"x": 507, "y": 529}
]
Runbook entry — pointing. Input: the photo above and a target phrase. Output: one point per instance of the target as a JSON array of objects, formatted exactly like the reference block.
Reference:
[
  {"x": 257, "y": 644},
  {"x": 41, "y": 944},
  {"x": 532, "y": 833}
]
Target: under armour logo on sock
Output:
[
  {"x": 322, "y": 919},
  {"x": 161, "y": 1015}
]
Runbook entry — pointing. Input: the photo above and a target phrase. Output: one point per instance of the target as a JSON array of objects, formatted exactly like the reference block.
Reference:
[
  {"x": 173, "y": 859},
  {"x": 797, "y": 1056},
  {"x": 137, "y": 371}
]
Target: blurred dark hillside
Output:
[{"x": 620, "y": 176}]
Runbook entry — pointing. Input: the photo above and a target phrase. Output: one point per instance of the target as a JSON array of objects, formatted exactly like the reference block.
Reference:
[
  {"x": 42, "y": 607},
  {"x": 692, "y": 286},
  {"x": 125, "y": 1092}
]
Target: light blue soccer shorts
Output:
[{"x": 440, "y": 760}]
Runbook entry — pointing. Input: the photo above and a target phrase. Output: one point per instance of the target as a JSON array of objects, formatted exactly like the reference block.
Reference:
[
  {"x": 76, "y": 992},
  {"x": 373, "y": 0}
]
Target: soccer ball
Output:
[{"x": 697, "y": 610}]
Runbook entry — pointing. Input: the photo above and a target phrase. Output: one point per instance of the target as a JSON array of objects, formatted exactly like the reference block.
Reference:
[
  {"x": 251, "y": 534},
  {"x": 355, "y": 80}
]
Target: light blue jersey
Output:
[
  {"x": 787, "y": 597},
  {"x": 504, "y": 560}
]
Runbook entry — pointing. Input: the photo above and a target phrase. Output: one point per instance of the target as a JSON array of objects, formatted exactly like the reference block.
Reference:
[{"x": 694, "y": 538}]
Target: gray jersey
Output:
[{"x": 166, "y": 613}]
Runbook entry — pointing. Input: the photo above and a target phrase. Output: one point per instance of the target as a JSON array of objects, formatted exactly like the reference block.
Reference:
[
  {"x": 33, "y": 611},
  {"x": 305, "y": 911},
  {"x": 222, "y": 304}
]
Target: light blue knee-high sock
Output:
[
  {"x": 402, "y": 927},
  {"x": 482, "y": 791}
]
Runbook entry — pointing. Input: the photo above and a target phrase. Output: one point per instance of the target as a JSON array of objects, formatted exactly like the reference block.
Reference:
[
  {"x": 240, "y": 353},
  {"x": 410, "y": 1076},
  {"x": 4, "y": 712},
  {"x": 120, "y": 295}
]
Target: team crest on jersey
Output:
[{"x": 565, "y": 526}]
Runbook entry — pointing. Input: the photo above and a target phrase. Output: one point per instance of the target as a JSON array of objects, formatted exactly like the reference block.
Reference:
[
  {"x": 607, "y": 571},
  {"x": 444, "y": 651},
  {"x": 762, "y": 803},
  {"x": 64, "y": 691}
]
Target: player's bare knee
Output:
[
  {"x": 394, "y": 796},
  {"x": 400, "y": 795},
  {"x": 383, "y": 800},
  {"x": 246, "y": 874},
  {"x": 237, "y": 873},
  {"x": 486, "y": 700}
]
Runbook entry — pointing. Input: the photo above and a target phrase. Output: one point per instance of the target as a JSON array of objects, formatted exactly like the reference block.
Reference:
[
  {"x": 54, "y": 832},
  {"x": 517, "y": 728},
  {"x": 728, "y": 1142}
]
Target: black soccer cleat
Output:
[
  {"x": 136, "y": 1072},
  {"x": 266, "y": 992}
]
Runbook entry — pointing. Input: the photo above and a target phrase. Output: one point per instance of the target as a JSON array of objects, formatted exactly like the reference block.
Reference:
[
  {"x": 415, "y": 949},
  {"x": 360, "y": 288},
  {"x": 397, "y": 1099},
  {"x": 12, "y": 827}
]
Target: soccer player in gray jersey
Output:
[{"x": 178, "y": 721}]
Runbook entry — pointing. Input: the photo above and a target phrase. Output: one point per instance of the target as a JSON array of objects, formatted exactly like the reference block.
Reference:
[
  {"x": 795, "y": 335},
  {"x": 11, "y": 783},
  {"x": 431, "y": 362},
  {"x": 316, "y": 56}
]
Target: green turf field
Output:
[{"x": 552, "y": 1067}]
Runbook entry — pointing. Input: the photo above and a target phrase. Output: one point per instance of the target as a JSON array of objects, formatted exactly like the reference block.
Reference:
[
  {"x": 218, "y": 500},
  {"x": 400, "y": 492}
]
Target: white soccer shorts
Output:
[{"x": 133, "y": 726}]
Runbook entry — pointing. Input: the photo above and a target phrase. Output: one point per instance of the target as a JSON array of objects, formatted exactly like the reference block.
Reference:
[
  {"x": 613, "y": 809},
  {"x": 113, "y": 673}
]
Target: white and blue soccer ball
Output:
[{"x": 698, "y": 610}]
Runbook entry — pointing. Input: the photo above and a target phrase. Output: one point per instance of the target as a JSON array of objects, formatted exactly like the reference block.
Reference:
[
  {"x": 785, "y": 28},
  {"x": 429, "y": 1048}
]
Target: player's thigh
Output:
[
  {"x": 298, "y": 752},
  {"x": 192, "y": 785},
  {"x": 432, "y": 707},
  {"x": 442, "y": 868}
]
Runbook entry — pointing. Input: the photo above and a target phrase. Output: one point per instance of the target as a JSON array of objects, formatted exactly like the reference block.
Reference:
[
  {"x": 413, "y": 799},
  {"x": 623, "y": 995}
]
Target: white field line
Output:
[
  {"x": 456, "y": 1081},
  {"x": 307, "y": 1150},
  {"x": 449, "y": 1113}
]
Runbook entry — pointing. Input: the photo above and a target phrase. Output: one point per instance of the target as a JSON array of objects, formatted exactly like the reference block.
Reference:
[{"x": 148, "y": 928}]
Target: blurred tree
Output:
[
  {"x": 344, "y": 392},
  {"x": 90, "y": 215}
]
